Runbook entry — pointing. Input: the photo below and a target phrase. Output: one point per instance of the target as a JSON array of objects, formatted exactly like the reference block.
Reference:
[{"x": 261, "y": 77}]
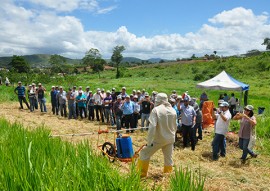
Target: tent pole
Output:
[{"x": 240, "y": 102}]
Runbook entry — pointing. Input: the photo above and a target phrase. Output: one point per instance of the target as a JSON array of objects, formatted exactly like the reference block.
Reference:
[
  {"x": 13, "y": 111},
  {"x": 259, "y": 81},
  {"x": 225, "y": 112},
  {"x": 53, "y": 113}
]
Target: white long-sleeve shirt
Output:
[{"x": 162, "y": 125}]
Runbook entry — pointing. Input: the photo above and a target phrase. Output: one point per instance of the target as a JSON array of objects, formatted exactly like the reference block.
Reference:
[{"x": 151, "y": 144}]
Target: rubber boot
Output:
[
  {"x": 167, "y": 169},
  {"x": 143, "y": 166}
]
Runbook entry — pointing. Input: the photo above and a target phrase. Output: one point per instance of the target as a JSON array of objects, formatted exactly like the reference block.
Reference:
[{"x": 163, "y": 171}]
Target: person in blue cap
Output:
[{"x": 223, "y": 117}]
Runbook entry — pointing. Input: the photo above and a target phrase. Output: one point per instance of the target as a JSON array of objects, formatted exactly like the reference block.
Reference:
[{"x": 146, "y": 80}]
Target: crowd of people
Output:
[{"x": 123, "y": 110}]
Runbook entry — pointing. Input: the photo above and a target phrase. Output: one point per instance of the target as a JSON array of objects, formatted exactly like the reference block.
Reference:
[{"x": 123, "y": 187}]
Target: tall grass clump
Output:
[
  {"x": 33, "y": 161},
  {"x": 263, "y": 132},
  {"x": 185, "y": 180},
  {"x": 7, "y": 94}
]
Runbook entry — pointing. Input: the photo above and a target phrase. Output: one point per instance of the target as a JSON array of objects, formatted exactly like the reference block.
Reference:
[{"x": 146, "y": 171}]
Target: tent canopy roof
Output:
[{"x": 223, "y": 81}]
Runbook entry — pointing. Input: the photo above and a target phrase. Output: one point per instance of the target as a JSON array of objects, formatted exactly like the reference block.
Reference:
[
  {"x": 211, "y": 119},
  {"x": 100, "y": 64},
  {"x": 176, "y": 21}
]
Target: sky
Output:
[{"x": 167, "y": 29}]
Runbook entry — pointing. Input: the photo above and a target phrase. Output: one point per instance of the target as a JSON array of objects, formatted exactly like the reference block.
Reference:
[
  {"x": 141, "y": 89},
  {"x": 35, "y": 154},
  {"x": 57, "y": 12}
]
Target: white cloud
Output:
[
  {"x": 71, "y": 5},
  {"x": 59, "y": 5},
  {"x": 30, "y": 31},
  {"x": 106, "y": 10}
]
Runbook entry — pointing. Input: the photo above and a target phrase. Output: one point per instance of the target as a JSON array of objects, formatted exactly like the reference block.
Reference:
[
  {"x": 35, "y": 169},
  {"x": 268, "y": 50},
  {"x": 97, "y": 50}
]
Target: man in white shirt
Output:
[
  {"x": 223, "y": 117},
  {"x": 161, "y": 135},
  {"x": 98, "y": 99}
]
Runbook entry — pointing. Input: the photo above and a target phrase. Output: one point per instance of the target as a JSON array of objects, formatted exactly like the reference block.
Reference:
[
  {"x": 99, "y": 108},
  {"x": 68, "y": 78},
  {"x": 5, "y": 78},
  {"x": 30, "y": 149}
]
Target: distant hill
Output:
[
  {"x": 137, "y": 60},
  {"x": 131, "y": 60},
  {"x": 36, "y": 60},
  {"x": 42, "y": 60},
  {"x": 156, "y": 60}
]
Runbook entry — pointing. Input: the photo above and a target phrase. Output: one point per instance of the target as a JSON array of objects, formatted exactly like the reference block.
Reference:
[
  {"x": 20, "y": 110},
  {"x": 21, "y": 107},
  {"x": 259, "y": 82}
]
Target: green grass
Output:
[
  {"x": 184, "y": 179},
  {"x": 33, "y": 161}
]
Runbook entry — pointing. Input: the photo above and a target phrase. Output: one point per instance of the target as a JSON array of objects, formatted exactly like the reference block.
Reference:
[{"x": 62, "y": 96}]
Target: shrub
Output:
[
  {"x": 262, "y": 66},
  {"x": 194, "y": 70},
  {"x": 198, "y": 77}
]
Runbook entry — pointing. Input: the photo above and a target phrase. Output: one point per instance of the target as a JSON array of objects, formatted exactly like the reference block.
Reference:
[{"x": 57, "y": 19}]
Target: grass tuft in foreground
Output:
[
  {"x": 33, "y": 161},
  {"x": 184, "y": 179}
]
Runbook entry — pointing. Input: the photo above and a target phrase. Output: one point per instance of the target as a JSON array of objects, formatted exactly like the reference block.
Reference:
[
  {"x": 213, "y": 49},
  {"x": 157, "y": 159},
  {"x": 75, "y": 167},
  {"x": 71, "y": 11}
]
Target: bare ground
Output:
[{"x": 226, "y": 174}]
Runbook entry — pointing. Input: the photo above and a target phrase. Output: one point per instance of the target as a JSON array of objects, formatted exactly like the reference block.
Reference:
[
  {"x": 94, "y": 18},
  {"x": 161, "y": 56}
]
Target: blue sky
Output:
[
  {"x": 154, "y": 17},
  {"x": 147, "y": 28}
]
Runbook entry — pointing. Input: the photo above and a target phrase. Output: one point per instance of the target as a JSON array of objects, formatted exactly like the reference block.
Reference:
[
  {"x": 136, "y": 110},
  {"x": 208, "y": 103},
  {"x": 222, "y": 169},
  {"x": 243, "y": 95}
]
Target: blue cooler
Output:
[
  {"x": 260, "y": 110},
  {"x": 124, "y": 147}
]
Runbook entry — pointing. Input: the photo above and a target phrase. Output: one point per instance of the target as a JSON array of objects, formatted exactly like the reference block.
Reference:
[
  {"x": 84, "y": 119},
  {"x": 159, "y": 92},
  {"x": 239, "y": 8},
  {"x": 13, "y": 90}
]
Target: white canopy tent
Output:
[{"x": 224, "y": 81}]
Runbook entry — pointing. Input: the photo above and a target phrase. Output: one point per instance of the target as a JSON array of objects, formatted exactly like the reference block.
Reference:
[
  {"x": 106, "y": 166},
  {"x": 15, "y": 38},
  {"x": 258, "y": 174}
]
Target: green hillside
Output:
[
  {"x": 42, "y": 60},
  {"x": 181, "y": 76},
  {"x": 36, "y": 60}
]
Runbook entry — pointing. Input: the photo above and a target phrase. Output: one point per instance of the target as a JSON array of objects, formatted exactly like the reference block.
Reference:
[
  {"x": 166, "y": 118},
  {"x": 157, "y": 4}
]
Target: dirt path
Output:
[{"x": 226, "y": 174}]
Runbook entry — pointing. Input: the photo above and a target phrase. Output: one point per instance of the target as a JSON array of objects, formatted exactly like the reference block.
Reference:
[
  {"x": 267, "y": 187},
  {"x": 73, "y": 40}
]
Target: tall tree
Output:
[
  {"x": 19, "y": 64},
  {"x": 57, "y": 63},
  {"x": 90, "y": 56},
  {"x": 93, "y": 59},
  {"x": 117, "y": 57},
  {"x": 267, "y": 43}
]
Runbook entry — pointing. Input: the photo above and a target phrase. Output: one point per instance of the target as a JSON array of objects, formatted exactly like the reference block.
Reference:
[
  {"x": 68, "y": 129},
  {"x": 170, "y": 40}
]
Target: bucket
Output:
[
  {"x": 124, "y": 147},
  {"x": 261, "y": 110}
]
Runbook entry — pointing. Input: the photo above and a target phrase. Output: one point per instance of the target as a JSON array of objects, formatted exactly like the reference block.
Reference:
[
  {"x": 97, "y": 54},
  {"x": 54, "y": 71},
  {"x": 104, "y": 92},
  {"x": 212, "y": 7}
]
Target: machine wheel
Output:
[{"x": 110, "y": 150}]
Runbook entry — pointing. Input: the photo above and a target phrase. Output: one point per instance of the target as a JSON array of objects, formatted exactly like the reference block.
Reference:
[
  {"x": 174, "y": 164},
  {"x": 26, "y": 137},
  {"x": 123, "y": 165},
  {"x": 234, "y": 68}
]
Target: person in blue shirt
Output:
[
  {"x": 128, "y": 108},
  {"x": 20, "y": 91},
  {"x": 54, "y": 100},
  {"x": 226, "y": 97},
  {"x": 188, "y": 117},
  {"x": 203, "y": 98},
  {"x": 81, "y": 100}
]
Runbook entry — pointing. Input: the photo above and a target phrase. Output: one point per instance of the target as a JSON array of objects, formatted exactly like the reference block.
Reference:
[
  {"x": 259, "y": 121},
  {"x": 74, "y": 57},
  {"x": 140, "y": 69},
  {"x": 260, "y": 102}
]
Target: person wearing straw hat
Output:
[
  {"x": 247, "y": 125},
  {"x": 161, "y": 135}
]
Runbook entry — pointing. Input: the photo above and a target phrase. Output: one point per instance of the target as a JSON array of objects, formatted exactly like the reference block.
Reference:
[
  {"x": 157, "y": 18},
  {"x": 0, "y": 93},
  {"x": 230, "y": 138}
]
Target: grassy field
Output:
[
  {"x": 38, "y": 162},
  {"x": 181, "y": 77}
]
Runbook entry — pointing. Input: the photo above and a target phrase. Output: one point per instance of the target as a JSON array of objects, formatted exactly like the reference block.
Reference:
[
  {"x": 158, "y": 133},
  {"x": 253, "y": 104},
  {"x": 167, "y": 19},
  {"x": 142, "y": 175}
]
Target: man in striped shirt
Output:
[{"x": 20, "y": 91}]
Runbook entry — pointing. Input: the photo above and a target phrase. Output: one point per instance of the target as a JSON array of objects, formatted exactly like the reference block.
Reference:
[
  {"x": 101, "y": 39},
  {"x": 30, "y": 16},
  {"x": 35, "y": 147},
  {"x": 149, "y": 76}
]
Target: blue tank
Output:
[{"x": 124, "y": 147}]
